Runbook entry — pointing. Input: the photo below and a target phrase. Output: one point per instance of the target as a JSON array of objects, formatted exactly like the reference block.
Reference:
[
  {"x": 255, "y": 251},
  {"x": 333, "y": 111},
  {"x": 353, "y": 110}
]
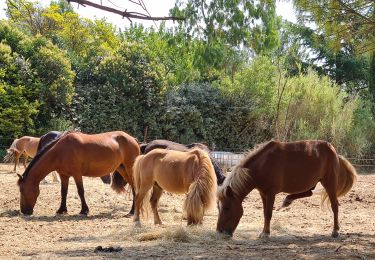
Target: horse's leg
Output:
[
  {"x": 268, "y": 201},
  {"x": 131, "y": 212},
  {"x": 25, "y": 159},
  {"x": 54, "y": 177},
  {"x": 331, "y": 191},
  {"x": 16, "y": 160},
  {"x": 291, "y": 197},
  {"x": 81, "y": 193},
  {"x": 156, "y": 194},
  {"x": 127, "y": 174},
  {"x": 64, "y": 192}
]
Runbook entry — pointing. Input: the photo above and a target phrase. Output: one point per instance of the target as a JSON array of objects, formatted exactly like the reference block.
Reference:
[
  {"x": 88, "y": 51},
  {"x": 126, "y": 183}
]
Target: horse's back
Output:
[
  {"x": 172, "y": 170},
  {"x": 47, "y": 138},
  {"x": 163, "y": 144},
  {"x": 98, "y": 153},
  {"x": 292, "y": 166}
]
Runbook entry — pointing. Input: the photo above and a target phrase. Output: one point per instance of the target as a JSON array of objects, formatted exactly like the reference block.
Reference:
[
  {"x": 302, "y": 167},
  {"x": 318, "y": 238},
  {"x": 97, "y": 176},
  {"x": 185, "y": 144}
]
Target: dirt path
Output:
[{"x": 302, "y": 231}]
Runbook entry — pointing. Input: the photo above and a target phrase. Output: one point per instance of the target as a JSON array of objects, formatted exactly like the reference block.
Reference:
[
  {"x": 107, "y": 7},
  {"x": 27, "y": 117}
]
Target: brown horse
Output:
[
  {"x": 176, "y": 172},
  {"x": 75, "y": 155},
  {"x": 276, "y": 167},
  {"x": 26, "y": 146}
]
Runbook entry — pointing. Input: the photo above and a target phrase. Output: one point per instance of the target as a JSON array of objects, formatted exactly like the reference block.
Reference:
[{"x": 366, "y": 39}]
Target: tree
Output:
[
  {"x": 343, "y": 21},
  {"x": 302, "y": 48},
  {"x": 236, "y": 23},
  {"x": 130, "y": 15},
  {"x": 40, "y": 74},
  {"x": 16, "y": 109},
  {"x": 124, "y": 92}
]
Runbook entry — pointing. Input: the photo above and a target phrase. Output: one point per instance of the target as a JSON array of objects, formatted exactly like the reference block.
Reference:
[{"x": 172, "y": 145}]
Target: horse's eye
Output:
[{"x": 225, "y": 208}]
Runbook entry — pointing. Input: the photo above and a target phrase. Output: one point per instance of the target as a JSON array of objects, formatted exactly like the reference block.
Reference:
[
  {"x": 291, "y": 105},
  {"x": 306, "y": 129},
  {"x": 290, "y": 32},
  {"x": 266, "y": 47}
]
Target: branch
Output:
[{"x": 125, "y": 13}]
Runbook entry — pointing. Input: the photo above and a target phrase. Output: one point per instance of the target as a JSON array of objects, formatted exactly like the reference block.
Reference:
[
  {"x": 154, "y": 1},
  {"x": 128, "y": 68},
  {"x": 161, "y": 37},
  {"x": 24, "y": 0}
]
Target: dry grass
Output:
[{"x": 299, "y": 232}]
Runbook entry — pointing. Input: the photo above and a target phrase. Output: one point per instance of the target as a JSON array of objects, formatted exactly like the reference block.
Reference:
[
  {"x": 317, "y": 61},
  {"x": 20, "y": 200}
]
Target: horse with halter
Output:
[
  {"x": 188, "y": 173},
  {"x": 75, "y": 154},
  {"x": 294, "y": 168},
  {"x": 169, "y": 145},
  {"x": 26, "y": 146}
]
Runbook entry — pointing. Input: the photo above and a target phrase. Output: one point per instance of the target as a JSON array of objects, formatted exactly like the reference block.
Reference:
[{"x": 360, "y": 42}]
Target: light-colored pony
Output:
[
  {"x": 189, "y": 173},
  {"x": 26, "y": 145}
]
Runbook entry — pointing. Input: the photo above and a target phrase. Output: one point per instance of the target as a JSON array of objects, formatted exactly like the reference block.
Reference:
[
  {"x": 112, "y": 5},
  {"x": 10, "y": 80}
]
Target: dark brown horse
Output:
[
  {"x": 75, "y": 155},
  {"x": 293, "y": 168}
]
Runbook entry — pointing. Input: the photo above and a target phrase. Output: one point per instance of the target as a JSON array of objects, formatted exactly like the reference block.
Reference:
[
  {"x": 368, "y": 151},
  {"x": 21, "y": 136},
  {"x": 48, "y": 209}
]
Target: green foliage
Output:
[
  {"x": 253, "y": 24},
  {"x": 38, "y": 76},
  {"x": 16, "y": 110},
  {"x": 195, "y": 113},
  {"x": 125, "y": 92},
  {"x": 343, "y": 22}
]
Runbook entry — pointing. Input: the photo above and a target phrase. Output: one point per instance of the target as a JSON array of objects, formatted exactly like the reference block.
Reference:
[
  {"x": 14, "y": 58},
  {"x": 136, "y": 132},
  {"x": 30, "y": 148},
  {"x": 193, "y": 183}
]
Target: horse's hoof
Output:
[
  {"x": 286, "y": 203},
  {"x": 62, "y": 212},
  {"x": 84, "y": 213},
  {"x": 335, "y": 233},
  {"x": 137, "y": 224},
  {"x": 264, "y": 235}
]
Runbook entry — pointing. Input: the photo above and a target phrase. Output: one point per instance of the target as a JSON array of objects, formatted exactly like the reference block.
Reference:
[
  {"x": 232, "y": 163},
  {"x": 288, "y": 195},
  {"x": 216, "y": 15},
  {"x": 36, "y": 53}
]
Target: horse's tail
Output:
[
  {"x": 202, "y": 192},
  {"x": 218, "y": 171},
  {"x": 345, "y": 180},
  {"x": 144, "y": 205},
  {"x": 118, "y": 182},
  {"x": 106, "y": 179},
  {"x": 13, "y": 146},
  {"x": 11, "y": 152}
]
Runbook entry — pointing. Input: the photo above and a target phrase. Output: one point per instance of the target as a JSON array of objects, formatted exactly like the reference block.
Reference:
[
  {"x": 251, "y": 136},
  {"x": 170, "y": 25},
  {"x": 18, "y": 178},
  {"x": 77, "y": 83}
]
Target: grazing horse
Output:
[
  {"x": 293, "y": 168},
  {"x": 26, "y": 145},
  {"x": 169, "y": 145},
  {"x": 75, "y": 155},
  {"x": 188, "y": 173},
  {"x": 52, "y": 135}
]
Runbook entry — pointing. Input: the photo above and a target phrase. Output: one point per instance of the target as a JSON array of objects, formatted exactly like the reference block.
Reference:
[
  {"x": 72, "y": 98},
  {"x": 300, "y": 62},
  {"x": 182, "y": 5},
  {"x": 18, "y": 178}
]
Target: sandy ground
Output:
[{"x": 299, "y": 232}]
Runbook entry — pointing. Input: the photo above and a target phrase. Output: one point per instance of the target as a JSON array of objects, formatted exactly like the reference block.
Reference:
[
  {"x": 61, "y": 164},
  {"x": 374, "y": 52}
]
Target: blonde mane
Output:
[{"x": 240, "y": 179}]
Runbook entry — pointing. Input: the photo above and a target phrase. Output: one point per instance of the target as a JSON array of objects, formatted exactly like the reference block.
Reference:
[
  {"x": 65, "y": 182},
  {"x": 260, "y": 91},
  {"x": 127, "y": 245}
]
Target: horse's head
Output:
[
  {"x": 29, "y": 195},
  {"x": 230, "y": 211}
]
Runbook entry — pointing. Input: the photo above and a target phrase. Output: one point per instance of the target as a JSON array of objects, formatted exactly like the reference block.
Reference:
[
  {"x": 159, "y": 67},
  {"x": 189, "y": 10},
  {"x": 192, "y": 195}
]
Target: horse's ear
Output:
[
  {"x": 229, "y": 192},
  {"x": 19, "y": 176}
]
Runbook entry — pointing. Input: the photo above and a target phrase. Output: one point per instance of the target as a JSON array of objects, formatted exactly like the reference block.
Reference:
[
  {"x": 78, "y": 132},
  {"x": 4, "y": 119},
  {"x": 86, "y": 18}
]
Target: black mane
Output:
[{"x": 45, "y": 149}]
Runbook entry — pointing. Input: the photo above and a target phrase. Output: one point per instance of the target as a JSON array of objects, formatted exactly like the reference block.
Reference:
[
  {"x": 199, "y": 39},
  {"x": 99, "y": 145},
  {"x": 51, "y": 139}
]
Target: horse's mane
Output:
[
  {"x": 240, "y": 178},
  {"x": 202, "y": 146},
  {"x": 41, "y": 153}
]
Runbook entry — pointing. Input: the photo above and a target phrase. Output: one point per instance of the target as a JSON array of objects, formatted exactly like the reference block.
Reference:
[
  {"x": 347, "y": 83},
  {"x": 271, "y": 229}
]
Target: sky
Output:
[{"x": 155, "y": 7}]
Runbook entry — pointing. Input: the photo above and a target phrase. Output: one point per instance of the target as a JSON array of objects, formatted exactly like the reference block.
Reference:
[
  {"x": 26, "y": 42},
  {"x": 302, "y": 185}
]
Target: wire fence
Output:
[{"x": 227, "y": 160}]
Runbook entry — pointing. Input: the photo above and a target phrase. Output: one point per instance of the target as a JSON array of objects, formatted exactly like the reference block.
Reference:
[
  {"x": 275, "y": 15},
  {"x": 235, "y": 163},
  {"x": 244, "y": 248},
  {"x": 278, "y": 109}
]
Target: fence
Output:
[{"x": 227, "y": 160}]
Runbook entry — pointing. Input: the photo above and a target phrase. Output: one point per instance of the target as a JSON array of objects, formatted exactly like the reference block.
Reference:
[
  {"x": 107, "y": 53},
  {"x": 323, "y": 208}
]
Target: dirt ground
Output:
[{"x": 299, "y": 232}]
